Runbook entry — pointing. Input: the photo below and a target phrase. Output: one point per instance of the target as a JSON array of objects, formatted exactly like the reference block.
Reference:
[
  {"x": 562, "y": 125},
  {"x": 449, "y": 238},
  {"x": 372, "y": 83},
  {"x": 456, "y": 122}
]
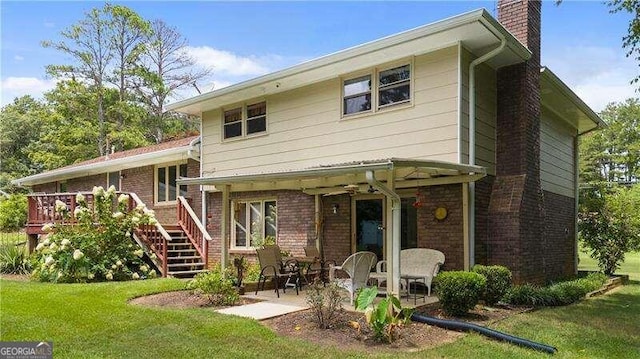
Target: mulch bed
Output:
[{"x": 182, "y": 299}]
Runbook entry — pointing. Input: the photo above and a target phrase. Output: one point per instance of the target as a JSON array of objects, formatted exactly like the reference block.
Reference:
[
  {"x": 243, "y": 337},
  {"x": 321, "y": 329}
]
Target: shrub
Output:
[
  {"x": 99, "y": 247},
  {"x": 217, "y": 287},
  {"x": 325, "y": 302},
  {"x": 13, "y": 212},
  {"x": 252, "y": 272},
  {"x": 459, "y": 291},
  {"x": 384, "y": 318},
  {"x": 13, "y": 259},
  {"x": 562, "y": 293},
  {"x": 498, "y": 282}
]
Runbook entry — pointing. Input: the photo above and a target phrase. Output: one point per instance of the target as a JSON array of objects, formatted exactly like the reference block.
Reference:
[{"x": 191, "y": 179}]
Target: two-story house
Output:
[{"x": 449, "y": 136}]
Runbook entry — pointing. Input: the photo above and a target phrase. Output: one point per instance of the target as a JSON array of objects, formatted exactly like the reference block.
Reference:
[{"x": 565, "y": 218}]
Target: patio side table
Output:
[{"x": 415, "y": 279}]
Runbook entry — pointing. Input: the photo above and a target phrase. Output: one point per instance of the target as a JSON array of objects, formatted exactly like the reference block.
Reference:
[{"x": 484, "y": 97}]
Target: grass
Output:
[
  {"x": 630, "y": 266},
  {"x": 95, "y": 321}
]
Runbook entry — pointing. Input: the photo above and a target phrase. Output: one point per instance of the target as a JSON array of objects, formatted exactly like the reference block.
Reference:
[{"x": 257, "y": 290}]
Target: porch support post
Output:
[
  {"x": 224, "y": 228},
  {"x": 465, "y": 225},
  {"x": 318, "y": 220}
]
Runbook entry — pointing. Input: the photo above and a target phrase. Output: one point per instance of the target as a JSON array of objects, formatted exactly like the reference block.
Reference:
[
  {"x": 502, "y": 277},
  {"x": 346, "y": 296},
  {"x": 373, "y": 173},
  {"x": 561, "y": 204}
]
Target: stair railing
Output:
[
  {"x": 153, "y": 235},
  {"x": 193, "y": 228}
]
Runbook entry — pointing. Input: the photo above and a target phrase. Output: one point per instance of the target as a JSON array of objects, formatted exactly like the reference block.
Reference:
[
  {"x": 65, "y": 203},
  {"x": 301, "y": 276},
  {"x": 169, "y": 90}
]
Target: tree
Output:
[
  {"x": 613, "y": 153},
  {"x": 21, "y": 124},
  {"x": 609, "y": 223},
  {"x": 631, "y": 42},
  {"x": 166, "y": 68},
  {"x": 89, "y": 44}
]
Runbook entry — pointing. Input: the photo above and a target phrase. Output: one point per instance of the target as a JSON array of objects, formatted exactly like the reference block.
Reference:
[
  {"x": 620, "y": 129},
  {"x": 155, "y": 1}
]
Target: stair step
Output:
[
  {"x": 181, "y": 244},
  {"x": 180, "y": 251},
  {"x": 196, "y": 264},
  {"x": 184, "y": 257}
]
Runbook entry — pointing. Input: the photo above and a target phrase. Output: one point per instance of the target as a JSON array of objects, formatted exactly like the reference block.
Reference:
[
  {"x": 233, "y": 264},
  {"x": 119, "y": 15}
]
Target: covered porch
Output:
[{"x": 333, "y": 195}]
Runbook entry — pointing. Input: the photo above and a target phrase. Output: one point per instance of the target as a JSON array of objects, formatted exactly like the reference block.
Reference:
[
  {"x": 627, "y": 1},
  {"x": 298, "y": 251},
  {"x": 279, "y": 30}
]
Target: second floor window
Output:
[
  {"x": 357, "y": 95},
  {"x": 245, "y": 121},
  {"x": 391, "y": 86},
  {"x": 394, "y": 86}
]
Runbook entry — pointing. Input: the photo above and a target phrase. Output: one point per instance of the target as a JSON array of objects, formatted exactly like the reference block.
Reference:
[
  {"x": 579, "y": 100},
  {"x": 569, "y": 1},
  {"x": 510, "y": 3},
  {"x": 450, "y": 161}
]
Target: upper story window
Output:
[
  {"x": 253, "y": 220},
  {"x": 392, "y": 86},
  {"x": 167, "y": 190},
  {"x": 357, "y": 95},
  {"x": 244, "y": 121}
]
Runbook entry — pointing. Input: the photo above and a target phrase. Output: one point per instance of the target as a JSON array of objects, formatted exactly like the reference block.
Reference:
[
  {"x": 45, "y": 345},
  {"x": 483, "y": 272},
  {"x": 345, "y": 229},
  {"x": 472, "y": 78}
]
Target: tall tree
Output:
[
  {"x": 613, "y": 153},
  {"x": 631, "y": 42},
  {"x": 90, "y": 46},
  {"x": 166, "y": 68}
]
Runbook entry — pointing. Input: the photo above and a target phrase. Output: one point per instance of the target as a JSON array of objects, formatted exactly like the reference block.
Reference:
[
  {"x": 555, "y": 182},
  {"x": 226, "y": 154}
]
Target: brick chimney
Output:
[{"x": 516, "y": 211}]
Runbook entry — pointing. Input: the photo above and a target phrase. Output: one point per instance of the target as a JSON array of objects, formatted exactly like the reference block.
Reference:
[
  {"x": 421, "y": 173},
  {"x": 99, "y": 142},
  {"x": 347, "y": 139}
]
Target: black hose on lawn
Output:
[{"x": 470, "y": 327}]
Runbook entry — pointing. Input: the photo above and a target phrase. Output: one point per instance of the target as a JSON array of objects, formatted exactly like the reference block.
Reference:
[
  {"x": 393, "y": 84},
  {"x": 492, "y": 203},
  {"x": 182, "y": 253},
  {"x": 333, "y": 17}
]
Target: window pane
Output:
[
  {"x": 357, "y": 104},
  {"x": 397, "y": 74},
  {"x": 113, "y": 179},
  {"x": 233, "y": 130},
  {"x": 270, "y": 219},
  {"x": 233, "y": 123},
  {"x": 172, "y": 183},
  {"x": 259, "y": 109},
  {"x": 256, "y": 125},
  {"x": 255, "y": 216},
  {"x": 395, "y": 95},
  {"x": 240, "y": 217},
  {"x": 409, "y": 224},
  {"x": 183, "y": 173},
  {"x": 357, "y": 86},
  {"x": 162, "y": 185}
]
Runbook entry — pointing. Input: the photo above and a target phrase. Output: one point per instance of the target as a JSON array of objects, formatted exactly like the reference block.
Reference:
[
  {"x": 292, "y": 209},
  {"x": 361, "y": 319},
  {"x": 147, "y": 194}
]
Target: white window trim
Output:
[
  {"x": 375, "y": 87},
  {"x": 234, "y": 203},
  {"x": 243, "y": 107},
  {"x": 155, "y": 182}
]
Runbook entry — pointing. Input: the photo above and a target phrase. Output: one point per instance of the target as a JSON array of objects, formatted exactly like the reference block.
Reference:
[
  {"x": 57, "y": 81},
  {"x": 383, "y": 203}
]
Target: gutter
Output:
[{"x": 472, "y": 141}]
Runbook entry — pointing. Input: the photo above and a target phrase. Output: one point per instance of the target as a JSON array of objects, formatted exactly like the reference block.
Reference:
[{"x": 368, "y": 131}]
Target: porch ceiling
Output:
[{"x": 333, "y": 178}]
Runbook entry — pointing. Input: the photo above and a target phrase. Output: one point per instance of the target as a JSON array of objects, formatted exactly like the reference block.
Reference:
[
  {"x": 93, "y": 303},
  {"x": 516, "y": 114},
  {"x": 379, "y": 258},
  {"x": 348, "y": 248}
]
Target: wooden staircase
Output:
[{"x": 183, "y": 259}]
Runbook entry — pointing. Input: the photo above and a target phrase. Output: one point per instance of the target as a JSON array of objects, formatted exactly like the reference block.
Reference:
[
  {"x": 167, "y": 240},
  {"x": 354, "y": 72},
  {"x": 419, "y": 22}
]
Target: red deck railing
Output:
[
  {"x": 195, "y": 231},
  {"x": 42, "y": 210}
]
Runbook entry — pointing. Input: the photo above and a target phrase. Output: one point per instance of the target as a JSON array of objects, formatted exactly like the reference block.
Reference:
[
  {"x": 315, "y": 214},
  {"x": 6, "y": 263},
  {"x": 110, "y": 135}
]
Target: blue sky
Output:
[{"x": 581, "y": 41}]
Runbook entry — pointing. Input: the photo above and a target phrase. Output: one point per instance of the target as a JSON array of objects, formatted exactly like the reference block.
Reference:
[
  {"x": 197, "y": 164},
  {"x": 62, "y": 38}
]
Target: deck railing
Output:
[
  {"x": 193, "y": 228},
  {"x": 42, "y": 210}
]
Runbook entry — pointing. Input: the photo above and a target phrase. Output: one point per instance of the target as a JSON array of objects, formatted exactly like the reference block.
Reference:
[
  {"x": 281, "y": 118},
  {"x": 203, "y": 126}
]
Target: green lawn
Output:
[
  {"x": 95, "y": 321},
  {"x": 631, "y": 265}
]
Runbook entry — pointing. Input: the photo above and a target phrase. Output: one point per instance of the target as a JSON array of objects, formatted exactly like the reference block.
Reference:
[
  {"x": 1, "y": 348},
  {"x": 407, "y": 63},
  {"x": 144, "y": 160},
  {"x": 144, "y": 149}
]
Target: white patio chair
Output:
[{"x": 358, "y": 267}]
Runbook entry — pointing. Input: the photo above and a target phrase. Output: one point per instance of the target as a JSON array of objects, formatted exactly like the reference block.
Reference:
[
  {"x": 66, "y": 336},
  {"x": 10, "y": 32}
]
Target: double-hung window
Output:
[
  {"x": 245, "y": 121},
  {"x": 253, "y": 221},
  {"x": 392, "y": 86},
  {"x": 113, "y": 179},
  {"x": 167, "y": 190}
]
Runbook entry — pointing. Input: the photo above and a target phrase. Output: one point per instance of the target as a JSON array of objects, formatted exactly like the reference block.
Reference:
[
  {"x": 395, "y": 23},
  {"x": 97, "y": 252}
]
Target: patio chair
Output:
[
  {"x": 320, "y": 267},
  {"x": 358, "y": 267},
  {"x": 272, "y": 267}
]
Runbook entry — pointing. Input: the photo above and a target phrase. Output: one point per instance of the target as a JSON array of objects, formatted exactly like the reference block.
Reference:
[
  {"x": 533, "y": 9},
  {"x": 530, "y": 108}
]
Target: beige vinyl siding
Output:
[
  {"x": 305, "y": 126},
  {"x": 557, "y": 169},
  {"x": 486, "y": 112}
]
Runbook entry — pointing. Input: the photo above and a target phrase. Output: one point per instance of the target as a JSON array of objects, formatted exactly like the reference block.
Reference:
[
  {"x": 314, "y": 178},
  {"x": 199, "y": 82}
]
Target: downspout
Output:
[
  {"x": 472, "y": 141},
  {"x": 395, "y": 238}
]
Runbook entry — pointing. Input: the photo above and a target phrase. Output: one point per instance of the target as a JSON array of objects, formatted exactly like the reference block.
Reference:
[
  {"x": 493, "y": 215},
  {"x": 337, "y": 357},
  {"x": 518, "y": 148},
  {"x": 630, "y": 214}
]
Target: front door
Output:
[{"x": 369, "y": 226}]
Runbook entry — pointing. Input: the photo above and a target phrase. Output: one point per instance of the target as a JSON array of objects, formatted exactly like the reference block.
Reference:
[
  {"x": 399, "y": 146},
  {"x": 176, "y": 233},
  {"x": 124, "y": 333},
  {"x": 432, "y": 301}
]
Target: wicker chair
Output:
[{"x": 358, "y": 267}]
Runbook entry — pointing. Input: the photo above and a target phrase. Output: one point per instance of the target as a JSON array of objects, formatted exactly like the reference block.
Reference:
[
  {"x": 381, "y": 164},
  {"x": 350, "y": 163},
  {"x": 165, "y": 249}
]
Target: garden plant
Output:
[{"x": 384, "y": 318}]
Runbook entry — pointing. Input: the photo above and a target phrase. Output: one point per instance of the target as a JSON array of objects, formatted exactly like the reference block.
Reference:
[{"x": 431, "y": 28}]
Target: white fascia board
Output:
[
  {"x": 573, "y": 100},
  {"x": 145, "y": 159},
  {"x": 443, "y": 33}
]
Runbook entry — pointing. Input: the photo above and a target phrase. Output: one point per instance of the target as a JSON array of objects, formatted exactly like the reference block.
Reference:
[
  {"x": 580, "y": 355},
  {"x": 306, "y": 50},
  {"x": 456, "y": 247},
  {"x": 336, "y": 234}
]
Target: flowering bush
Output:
[{"x": 98, "y": 247}]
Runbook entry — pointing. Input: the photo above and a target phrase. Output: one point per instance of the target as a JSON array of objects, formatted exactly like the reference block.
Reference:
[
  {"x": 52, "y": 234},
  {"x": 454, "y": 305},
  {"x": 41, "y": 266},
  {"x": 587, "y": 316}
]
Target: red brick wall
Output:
[
  {"x": 337, "y": 228},
  {"x": 516, "y": 210},
  {"x": 295, "y": 221},
  {"x": 139, "y": 180},
  {"x": 483, "y": 196},
  {"x": 559, "y": 235},
  {"x": 444, "y": 235}
]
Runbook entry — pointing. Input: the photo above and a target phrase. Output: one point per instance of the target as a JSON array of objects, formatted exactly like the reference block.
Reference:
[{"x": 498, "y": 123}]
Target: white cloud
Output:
[
  {"x": 13, "y": 87},
  {"x": 227, "y": 63},
  {"x": 599, "y": 75},
  {"x": 18, "y": 58}
]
